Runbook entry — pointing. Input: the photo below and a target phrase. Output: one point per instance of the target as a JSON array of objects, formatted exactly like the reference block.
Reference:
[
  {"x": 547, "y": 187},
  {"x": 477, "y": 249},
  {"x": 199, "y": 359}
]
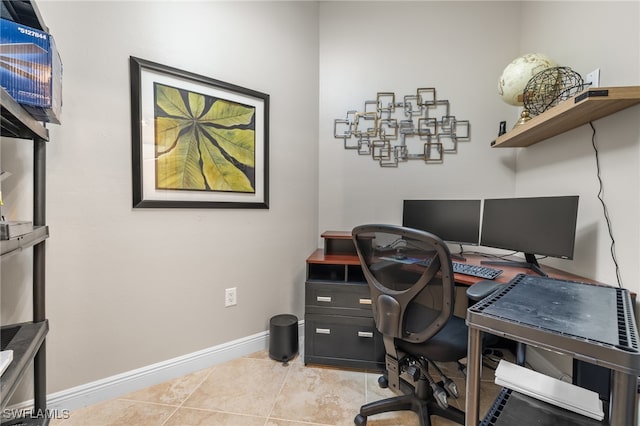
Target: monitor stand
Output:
[
  {"x": 459, "y": 256},
  {"x": 531, "y": 263}
]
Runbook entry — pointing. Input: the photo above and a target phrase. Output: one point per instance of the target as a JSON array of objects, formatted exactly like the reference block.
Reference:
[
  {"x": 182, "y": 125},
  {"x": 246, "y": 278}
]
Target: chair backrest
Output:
[{"x": 406, "y": 268}]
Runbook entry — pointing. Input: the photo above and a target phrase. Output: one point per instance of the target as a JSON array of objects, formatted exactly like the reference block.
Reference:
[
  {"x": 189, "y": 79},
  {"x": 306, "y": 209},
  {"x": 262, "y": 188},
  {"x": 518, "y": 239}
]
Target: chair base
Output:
[{"x": 423, "y": 407}]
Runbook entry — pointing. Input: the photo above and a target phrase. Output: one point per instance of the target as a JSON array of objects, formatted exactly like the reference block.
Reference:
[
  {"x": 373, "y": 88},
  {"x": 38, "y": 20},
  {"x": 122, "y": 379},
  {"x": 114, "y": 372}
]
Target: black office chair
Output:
[{"x": 410, "y": 277}]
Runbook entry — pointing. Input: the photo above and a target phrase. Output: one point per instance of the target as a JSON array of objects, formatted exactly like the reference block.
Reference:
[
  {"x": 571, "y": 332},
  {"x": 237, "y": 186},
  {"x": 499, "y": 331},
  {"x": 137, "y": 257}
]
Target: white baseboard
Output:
[{"x": 131, "y": 381}]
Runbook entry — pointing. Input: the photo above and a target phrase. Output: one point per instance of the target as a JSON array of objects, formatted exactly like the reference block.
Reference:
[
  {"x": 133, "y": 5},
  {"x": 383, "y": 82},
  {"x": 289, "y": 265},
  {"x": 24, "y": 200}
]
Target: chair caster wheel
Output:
[
  {"x": 383, "y": 382},
  {"x": 360, "y": 420}
]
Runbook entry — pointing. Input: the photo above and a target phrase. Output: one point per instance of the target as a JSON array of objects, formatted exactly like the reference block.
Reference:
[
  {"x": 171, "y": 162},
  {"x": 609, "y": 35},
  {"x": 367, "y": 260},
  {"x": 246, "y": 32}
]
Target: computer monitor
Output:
[
  {"x": 454, "y": 221},
  {"x": 543, "y": 226}
]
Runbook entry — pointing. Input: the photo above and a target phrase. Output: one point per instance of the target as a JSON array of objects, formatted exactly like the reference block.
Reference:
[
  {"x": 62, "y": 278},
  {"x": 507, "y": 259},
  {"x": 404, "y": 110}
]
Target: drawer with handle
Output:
[
  {"x": 348, "y": 299},
  {"x": 336, "y": 337}
]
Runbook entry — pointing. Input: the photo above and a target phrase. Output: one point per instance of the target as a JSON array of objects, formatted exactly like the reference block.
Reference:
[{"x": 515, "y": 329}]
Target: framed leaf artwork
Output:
[{"x": 197, "y": 142}]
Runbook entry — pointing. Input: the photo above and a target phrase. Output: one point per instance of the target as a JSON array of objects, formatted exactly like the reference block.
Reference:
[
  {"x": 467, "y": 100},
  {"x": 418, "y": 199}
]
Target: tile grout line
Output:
[
  {"x": 304, "y": 422},
  {"x": 270, "y": 417},
  {"x": 233, "y": 413},
  {"x": 195, "y": 388},
  {"x": 275, "y": 400},
  {"x": 366, "y": 390}
]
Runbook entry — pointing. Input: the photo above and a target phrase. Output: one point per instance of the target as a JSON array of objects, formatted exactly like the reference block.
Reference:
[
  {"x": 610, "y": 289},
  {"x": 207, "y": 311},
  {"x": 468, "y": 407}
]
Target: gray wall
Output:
[
  {"x": 127, "y": 288},
  {"x": 461, "y": 49},
  {"x": 566, "y": 163},
  {"x": 131, "y": 287}
]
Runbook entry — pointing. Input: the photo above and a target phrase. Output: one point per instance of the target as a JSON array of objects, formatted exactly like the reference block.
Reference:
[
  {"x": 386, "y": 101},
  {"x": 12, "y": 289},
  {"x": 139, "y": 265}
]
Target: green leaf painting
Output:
[{"x": 203, "y": 143}]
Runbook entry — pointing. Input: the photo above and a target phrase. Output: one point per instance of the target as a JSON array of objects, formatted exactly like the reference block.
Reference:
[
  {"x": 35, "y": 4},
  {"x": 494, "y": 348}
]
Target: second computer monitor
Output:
[
  {"x": 543, "y": 226},
  {"x": 454, "y": 221}
]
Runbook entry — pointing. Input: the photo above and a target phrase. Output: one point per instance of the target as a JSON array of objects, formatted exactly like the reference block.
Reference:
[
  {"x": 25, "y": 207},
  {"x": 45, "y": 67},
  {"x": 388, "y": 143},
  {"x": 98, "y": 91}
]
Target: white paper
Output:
[
  {"x": 5, "y": 359},
  {"x": 550, "y": 390}
]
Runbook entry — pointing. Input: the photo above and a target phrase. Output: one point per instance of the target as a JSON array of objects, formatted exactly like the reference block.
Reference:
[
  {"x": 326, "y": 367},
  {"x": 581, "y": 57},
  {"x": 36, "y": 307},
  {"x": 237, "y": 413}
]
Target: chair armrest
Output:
[{"x": 482, "y": 289}]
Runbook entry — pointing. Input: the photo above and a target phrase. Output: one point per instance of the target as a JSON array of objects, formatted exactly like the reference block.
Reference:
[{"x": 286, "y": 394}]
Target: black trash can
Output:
[{"x": 283, "y": 337}]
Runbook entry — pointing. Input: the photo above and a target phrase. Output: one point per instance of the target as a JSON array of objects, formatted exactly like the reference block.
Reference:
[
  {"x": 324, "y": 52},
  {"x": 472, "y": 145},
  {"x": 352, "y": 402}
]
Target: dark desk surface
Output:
[
  {"x": 319, "y": 256},
  {"x": 508, "y": 273},
  {"x": 511, "y": 271}
]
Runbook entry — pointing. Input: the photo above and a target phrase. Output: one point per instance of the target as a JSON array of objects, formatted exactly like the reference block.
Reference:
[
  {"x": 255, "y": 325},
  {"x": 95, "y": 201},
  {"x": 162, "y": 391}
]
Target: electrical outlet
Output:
[
  {"x": 594, "y": 78},
  {"x": 230, "y": 297}
]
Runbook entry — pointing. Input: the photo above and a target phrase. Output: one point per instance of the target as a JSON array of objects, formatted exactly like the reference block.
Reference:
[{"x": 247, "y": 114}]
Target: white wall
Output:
[
  {"x": 460, "y": 48},
  {"x": 130, "y": 287}
]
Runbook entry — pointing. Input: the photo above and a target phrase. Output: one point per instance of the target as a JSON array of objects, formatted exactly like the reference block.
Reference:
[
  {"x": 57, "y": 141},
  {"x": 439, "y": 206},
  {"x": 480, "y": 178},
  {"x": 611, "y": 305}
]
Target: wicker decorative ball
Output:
[{"x": 550, "y": 87}]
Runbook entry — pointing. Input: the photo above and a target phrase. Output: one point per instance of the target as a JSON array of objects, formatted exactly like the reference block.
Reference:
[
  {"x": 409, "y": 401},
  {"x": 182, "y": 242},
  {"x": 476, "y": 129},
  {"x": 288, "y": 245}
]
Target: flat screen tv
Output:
[
  {"x": 454, "y": 221},
  {"x": 544, "y": 226}
]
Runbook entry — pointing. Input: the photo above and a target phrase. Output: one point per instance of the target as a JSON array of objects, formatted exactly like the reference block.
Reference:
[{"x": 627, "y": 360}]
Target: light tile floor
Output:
[{"x": 255, "y": 390}]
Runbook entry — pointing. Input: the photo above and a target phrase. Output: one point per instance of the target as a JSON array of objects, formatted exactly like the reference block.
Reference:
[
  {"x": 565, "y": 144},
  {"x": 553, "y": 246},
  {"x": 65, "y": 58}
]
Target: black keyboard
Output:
[{"x": 484, "y": 272}]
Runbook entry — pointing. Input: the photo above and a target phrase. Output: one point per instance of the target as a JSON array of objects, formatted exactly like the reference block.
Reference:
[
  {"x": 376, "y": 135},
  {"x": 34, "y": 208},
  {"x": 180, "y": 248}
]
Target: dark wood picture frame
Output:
[{"x": 197, "y": 142}]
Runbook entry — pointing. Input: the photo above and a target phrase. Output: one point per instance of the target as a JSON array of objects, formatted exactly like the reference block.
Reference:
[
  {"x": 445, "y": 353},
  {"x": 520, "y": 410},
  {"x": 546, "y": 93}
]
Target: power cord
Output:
[{"x": 604, "y": 207}]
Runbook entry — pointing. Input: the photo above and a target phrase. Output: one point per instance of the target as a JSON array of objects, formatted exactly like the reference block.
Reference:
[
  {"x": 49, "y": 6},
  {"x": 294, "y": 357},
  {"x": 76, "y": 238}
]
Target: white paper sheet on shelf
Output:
[
  {"x": 5, "y": 359},
  {"x": 550, "y": 390}
]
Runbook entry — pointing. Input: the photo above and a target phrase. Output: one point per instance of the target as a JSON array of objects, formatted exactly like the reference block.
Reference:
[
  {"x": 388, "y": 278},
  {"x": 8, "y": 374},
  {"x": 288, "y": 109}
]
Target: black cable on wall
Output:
[{"x": 604, "y": 206}]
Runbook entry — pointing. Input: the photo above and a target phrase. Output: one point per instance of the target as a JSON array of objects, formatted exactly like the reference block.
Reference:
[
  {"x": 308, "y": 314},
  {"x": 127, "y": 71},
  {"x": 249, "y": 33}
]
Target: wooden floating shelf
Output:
[{"x": 586, "y": 106}]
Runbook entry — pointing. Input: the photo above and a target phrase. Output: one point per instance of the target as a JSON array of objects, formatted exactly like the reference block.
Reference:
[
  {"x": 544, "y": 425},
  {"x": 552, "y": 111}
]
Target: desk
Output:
[
  {"x": 510, "y": 271},
  {"x": 339, "y": 326},
  {"x": 559, "y": 316}
]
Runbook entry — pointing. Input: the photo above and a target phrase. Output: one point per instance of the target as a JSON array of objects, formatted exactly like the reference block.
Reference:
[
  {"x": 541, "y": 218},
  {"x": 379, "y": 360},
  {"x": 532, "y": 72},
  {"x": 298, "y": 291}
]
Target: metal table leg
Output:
[
  {"x": 474, "y": 360},
  {"x": 622, "y": 401}
]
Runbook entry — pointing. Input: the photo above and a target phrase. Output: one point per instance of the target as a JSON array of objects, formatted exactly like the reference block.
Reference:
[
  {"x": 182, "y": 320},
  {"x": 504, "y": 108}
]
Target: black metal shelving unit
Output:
[
  {"x": 589, "y": 322},
  {"x": 27, "y": 339}
]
